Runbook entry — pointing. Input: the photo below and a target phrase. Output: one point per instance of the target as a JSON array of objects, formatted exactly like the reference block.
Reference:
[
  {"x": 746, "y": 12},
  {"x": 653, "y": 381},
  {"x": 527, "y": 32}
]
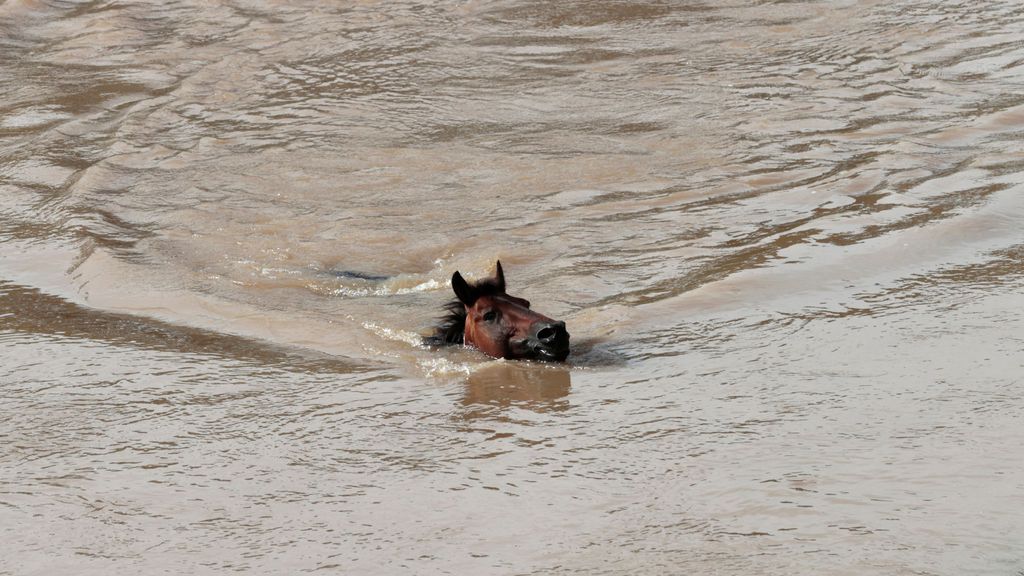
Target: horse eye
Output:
[{"x": 490, "y": 316}]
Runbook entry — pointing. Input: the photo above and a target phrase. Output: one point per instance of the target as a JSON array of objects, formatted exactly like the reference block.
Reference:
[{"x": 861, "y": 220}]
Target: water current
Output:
[{"x": 787, "y": 239}]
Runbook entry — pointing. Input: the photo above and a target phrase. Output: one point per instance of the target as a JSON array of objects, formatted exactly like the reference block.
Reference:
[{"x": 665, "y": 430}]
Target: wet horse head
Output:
[{"x": 486, "y": 317}]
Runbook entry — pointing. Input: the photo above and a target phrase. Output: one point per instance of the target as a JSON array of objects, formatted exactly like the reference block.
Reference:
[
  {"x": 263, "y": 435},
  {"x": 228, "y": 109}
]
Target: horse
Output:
[{"x": 485, "y": 317}]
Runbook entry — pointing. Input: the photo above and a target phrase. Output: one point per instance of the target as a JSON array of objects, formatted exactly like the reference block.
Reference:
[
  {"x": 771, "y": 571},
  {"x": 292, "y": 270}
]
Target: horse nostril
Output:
[{"x": 551, "y": 333}]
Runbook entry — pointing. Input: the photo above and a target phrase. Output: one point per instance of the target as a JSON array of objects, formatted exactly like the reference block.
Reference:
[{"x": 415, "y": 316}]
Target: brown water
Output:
[{"x": 788, "y": 240}]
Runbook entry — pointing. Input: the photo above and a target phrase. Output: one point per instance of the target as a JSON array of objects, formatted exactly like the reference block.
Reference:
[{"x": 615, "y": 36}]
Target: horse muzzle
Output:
[{"x": 548, "y": 340}]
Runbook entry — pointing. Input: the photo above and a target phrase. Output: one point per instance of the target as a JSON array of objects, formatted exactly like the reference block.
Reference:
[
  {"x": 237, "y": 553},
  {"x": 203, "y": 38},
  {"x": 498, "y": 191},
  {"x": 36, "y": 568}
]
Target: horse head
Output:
[{"x": 501, "y": 325}]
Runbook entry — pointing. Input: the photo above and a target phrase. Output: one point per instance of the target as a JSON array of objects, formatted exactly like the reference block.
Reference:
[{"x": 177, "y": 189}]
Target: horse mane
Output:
[{"x": 452, "y": 326}]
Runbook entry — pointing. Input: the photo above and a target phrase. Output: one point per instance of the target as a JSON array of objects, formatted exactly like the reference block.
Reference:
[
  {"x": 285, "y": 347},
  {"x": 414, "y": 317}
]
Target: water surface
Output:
[{"x": 786, "y": 238}]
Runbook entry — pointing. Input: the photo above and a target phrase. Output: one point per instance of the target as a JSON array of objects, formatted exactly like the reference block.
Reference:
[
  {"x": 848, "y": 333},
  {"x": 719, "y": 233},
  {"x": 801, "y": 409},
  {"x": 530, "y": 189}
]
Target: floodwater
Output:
[{"x": 787, "y": 238}]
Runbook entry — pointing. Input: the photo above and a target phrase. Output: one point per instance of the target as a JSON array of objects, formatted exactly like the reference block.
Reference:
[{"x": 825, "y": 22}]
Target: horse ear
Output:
[
  {"x": 499, "y": 276},
  {"x": 462, "y": 290}
]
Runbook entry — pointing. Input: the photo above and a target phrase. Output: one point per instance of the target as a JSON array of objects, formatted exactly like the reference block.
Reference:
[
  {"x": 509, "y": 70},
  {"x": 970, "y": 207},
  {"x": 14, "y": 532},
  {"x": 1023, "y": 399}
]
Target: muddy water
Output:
[{"x": 788, "y": 239}]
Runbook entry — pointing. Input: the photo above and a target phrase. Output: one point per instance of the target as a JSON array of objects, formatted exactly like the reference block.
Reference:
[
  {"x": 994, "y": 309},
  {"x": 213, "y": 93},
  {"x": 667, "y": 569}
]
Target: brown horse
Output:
[{"x": 499, "y": 325}]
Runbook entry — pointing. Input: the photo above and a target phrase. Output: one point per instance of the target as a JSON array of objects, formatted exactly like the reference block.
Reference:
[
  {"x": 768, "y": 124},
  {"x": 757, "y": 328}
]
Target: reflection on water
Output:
[
  {"x": 504, "y": 384},
  {"x": 786, "y": 238}
]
